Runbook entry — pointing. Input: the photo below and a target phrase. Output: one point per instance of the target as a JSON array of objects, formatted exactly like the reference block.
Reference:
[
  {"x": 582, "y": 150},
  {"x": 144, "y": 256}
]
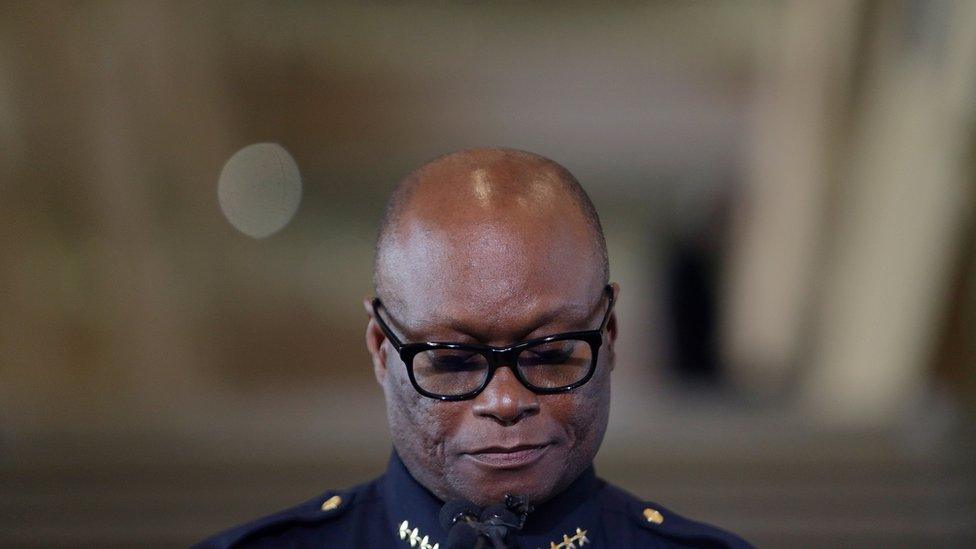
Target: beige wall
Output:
[{"x": 131, "y": 306}]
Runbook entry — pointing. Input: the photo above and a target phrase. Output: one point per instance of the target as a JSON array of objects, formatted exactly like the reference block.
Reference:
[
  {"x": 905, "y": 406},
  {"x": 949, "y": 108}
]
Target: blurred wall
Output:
[
  {"x": 787, "y": 190},
  {"x": 135, "y": 306}
]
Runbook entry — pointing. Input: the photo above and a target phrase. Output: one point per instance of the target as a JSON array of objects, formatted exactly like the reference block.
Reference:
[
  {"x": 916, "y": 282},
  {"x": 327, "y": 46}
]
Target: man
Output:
[{"x": 497, "y": 255}]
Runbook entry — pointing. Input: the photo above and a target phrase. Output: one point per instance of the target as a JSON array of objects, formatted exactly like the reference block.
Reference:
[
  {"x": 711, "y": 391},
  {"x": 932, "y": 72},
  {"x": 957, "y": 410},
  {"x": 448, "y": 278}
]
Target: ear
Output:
[
  {"x": 612, "y": 326},
  {"x": 374, "y": 344}
]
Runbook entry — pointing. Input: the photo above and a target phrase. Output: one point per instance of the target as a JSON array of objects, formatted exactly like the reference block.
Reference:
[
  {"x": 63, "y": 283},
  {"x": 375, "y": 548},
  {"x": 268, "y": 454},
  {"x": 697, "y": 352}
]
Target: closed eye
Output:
[
  {"x": 532, "y": 358},
  {"x": 459, "y": 363}
]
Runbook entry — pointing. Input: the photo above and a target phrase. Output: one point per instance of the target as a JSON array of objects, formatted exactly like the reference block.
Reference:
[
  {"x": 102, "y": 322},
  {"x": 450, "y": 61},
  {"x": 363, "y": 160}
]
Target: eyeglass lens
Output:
[{"x": 549, "y": 365}]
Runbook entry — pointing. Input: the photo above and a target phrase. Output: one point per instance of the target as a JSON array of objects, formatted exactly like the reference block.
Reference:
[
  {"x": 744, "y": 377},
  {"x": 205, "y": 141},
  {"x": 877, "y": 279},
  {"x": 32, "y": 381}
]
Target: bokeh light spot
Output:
[{"x": 259, "y": 189}]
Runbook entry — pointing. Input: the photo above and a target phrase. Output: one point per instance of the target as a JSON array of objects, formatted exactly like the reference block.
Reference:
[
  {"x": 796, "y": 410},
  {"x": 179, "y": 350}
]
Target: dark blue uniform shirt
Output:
[{"x": 395, "y": 511}]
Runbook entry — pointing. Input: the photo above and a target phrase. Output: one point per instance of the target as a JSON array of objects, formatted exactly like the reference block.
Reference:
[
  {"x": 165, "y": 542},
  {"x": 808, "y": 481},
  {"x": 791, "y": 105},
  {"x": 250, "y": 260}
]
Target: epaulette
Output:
[
  {"x": 655, "y": 519},
  {"x": 319, "y": 509},
  {"x": 663, "y": 522}
]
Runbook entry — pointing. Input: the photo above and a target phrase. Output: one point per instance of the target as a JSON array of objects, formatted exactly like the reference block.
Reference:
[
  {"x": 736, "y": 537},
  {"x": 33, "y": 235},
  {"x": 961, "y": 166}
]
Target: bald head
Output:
[
  {"x": 486, "y": 200},
  {"x": 491, "y": 247}
]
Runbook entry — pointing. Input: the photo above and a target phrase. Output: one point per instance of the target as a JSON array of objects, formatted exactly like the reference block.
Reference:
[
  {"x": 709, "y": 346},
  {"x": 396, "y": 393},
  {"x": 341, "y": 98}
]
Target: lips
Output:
[{"x": 498, "y": 457}]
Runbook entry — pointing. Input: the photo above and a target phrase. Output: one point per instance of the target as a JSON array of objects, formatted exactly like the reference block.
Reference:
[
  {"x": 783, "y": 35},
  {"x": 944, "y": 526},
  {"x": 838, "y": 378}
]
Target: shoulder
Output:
[
  {"x": 324, "y": 517},
  {"x": 654, "y": 521}
]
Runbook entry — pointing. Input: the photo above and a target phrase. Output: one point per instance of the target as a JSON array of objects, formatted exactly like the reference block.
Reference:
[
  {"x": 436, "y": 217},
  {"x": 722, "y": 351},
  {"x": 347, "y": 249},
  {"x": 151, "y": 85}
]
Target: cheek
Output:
[
  {"x": 419, "y": 425},
  {"x": 584, "y": 415}
]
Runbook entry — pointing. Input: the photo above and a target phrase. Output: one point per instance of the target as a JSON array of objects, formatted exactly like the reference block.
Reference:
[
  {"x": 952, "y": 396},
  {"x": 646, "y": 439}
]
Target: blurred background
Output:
[{"x": 788, "y": 191}]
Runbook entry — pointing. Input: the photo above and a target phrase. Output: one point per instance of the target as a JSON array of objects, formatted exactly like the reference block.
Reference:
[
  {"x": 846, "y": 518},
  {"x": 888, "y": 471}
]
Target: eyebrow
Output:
[
  {"x": 538, "y": 322},
  {"x": 545, "y": 319}
]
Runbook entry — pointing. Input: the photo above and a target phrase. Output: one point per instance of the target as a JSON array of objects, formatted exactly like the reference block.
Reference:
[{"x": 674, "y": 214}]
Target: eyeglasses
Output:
[{"x": 456, "y": 371}]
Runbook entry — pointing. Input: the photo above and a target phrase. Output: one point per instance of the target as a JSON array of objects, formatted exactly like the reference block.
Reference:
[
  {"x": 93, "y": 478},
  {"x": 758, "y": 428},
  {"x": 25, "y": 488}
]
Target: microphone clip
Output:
[
  {"x": 471, "y": 526},
  {"x": 520, "y": 507}
]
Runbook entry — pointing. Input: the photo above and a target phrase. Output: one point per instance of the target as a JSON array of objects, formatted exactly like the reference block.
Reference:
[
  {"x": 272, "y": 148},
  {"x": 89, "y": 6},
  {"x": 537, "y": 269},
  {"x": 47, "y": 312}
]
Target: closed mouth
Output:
[{"x": 509, "y": 458}]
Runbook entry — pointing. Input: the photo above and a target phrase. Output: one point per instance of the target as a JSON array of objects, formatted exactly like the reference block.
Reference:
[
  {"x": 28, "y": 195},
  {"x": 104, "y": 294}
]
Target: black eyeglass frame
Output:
[{"x": 497, "y": 356}]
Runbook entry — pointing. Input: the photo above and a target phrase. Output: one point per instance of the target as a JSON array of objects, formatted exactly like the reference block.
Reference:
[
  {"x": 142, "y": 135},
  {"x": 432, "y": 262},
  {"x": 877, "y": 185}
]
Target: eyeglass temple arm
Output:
[
  {"x": 387, "y": 331},
  {"x": 606, "y": 317}
]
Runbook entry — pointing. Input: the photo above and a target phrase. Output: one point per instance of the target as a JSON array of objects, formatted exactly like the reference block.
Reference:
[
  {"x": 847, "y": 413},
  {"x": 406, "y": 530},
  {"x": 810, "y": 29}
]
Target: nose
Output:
[{"x": 505, "y": 400}]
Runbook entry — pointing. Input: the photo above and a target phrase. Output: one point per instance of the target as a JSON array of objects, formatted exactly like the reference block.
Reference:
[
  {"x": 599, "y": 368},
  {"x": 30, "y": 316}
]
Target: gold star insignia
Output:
[
  {"x": 412, "y": 535},
  {"x": 570, "y": 542}
]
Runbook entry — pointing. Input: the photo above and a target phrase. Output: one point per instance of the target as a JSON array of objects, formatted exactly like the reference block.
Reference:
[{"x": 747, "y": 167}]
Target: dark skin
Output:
[{"x": 491, "y": 248}]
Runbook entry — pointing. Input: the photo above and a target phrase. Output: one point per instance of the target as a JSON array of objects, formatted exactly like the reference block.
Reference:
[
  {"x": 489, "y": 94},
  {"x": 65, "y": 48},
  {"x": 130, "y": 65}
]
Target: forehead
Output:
[
  {"x": 489, "y": 276},
  {"x": 490, "y": 240}
]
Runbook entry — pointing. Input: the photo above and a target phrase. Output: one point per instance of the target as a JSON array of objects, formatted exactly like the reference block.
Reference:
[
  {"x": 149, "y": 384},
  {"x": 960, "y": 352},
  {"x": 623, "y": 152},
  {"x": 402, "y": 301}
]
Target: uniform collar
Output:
[
  {"x": 413, "y": 510},
  {"x": 550, "y": 515}
]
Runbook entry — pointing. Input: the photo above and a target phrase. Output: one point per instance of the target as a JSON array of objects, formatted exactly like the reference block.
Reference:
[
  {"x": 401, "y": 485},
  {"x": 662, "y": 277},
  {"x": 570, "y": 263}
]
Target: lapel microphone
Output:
[
  {"x": 460, "y": 518},
  {"x": 471, "y": 527},
  {"x": 519, "y": 505}
]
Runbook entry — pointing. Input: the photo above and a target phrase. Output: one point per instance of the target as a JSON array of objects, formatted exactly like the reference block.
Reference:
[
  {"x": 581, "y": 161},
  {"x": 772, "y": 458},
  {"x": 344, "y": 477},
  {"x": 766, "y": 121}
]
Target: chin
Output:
[
  {"x": 538, "y": 484},
  {"x": 496, "y": 495}
]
